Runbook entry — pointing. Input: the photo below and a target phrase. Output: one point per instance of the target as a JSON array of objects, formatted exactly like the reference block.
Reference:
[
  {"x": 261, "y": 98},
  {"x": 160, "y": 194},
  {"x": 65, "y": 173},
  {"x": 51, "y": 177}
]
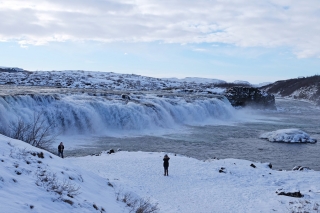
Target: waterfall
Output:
[{"x": 88, "y": 114}]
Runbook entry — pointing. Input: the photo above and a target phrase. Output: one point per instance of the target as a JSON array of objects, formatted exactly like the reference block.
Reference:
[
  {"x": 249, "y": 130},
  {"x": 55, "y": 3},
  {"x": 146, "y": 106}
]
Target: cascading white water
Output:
[{"x": 84, "y": 113}]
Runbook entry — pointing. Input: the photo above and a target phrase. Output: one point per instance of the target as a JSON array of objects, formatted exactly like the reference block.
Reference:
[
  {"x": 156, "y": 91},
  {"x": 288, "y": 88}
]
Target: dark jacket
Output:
[
  {"x": 60, "y": 148},
  {"x": 166, "y": 162}
]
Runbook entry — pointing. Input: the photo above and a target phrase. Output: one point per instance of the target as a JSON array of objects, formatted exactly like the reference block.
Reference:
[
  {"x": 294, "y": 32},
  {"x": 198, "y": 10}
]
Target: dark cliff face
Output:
[{"x": 250, "y": 96}]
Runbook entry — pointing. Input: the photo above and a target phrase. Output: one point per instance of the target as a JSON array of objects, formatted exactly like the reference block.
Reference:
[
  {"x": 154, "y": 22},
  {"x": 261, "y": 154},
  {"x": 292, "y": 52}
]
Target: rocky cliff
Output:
[{"x": 250, "y": 96}]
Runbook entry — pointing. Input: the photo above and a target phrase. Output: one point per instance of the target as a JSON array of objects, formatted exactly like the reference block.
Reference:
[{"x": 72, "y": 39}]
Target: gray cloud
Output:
[{"x": 247, "y": 23}]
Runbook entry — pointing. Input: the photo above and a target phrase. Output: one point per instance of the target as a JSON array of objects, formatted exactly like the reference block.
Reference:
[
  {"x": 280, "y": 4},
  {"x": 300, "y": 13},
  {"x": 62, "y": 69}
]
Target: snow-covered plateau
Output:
[
  {"x": 34, "y": 180},
  {"x": 104, "y": 80}
]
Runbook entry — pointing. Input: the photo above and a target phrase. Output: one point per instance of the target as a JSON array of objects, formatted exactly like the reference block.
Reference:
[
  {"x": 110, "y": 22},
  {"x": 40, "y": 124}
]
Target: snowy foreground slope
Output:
[
  {"x": 227, "y": 185},
  {"x": 28, "y": 179},
  {"x": 33, "y": 180}
]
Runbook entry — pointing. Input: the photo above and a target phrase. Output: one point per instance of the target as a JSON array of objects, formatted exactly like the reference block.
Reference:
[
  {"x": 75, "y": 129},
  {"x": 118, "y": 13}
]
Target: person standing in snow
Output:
[
  {"x": 166, "y": 164},
  {"x": 60, "y": 150}
]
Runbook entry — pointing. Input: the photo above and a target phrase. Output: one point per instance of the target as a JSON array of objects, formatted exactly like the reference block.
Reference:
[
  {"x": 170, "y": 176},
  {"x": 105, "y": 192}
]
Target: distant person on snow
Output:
[
  {"x": 166, "y": 164},
  {"x": 60, "y": 150}
]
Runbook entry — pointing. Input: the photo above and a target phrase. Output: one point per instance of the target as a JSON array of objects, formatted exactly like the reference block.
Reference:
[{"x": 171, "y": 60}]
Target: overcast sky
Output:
[{"x": 253, "y": 40}]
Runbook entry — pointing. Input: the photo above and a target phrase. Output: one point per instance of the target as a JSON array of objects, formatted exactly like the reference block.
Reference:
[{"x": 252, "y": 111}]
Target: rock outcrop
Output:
[
  {"x": 250, "y": 96},
  {"x": 301, "y": 168},
  {"x": 291, "y": 194}
]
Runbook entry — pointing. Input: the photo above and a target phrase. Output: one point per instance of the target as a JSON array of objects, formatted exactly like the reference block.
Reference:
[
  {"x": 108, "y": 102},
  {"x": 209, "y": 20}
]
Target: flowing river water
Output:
[{"x": 230, "y": 140}]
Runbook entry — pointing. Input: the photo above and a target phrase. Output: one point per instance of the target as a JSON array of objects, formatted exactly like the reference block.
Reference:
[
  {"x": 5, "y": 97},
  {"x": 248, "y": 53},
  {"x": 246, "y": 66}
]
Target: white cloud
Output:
[
  {"x": 200, "y": 50},
  {"x": 23, "y": 44},
  {"x": 246, "y": 23}
]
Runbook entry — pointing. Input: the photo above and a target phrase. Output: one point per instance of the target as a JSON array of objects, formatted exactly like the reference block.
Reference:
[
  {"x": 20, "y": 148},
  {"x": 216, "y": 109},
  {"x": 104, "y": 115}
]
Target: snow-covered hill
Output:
[
  {"x": 109, "y": 80},
  {"x": 302, "y": 88},
  {"x": 100, "y": 80},
  {"x": 197, "y": 80},
  {"x": 11, "y": 69},
  {"x": 33, "y": 180}
]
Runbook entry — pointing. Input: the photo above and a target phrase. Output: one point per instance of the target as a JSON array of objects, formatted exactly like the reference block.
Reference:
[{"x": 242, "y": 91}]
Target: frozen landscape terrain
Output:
[
  {"x": 301, "y": 88},
  {"x": 33, "y": 180},
  {"x": 190, "y": 119},
  {"x": 101, "y": 80}
]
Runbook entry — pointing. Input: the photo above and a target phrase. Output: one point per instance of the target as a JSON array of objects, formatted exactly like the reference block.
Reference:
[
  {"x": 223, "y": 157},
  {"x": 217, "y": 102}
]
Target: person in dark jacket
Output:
[
  {"x": 60, "y": 150},
  {"x": 166, "y": 164}
]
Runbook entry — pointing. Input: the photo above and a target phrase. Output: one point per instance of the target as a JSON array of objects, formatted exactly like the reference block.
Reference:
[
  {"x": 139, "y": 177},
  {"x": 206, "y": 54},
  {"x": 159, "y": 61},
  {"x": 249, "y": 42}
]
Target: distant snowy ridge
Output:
[
  {"x": 242, "y": 82},
  {"x": 109, "y": 80},
  {"x": 301, "y": 88},
  {"x": 98, "y": 80},
  {"x": 196, "y": 80},
  {"x": 262, "y": 84},
  {"x": 11, "y": 69}
]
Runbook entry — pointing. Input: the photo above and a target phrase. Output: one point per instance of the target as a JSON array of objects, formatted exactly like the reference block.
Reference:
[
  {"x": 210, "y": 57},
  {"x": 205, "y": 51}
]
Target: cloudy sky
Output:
[{"x": 257, "y": 41}]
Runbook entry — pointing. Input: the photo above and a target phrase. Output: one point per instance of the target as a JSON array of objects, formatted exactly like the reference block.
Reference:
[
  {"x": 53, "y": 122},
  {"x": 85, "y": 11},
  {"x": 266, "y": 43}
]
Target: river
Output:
[{"x": 231, "y": 139}]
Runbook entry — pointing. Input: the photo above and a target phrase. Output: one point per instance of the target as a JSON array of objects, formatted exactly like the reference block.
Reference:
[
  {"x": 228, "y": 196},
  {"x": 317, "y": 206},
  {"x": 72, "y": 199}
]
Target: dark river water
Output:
[{"x": 238, "y": 140}]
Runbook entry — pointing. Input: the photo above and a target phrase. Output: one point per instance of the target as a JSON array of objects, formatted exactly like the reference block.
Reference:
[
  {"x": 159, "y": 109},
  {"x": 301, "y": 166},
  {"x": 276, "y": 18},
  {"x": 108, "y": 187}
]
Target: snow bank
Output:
[
  {"x": 227, "y": 185},
  {"x": 35, "y": 182},
  {"x": 288, "y": 136}
]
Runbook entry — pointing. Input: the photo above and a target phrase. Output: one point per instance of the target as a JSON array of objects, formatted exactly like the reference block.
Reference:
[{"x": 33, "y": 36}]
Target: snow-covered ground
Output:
[
  {"x": 28, "y": 180},
  {"x": 288, "y": 136},
  {"x": 198, "y": 186},
  {"x": 32, "y": 182},
  {"x": 36, "y": 183}
]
